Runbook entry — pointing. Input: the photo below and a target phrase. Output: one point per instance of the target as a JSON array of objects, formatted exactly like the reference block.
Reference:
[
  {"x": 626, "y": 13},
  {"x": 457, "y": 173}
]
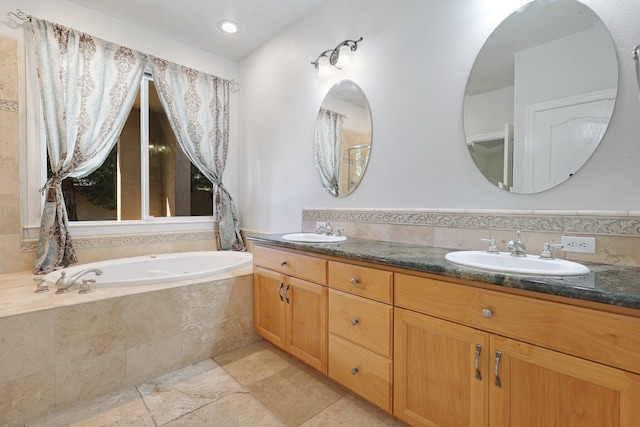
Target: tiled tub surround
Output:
[
  {"x": 617, "y": 234},
  {"x": 59, "y": 350},
  {"x": 616, "y": 286}
]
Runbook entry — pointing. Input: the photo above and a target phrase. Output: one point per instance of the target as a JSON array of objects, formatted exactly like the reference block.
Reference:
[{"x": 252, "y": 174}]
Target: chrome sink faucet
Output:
[
  {"x": 326, "y": 230},
  {"x": 517, "y": 246},
  {"x": 64, "y": 283}
]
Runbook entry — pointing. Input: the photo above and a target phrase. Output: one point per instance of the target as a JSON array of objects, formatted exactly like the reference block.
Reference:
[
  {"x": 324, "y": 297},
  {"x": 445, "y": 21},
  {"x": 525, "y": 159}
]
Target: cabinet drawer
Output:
[
  {"x": 607, "y": 338},
  {"x": 291, "y": 264},
  {"x": 362, "y": 321},
  {"x": 364, "y": 281},
  {"x": 361, "y": 371}
]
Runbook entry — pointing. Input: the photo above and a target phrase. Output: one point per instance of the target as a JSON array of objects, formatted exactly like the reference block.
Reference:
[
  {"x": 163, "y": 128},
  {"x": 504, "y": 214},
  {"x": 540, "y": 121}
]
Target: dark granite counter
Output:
[{"x": 607, "y": 284}]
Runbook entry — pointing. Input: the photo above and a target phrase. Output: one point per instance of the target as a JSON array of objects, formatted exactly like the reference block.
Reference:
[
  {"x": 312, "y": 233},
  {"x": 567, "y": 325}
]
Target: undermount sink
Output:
[
  {"x": 505, "y": 263},
  {"x": 313, "y": 238}
]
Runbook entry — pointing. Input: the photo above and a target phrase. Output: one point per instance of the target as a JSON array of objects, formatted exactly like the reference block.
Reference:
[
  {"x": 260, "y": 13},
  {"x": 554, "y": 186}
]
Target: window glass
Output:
[{"x": 146, "y": 174}]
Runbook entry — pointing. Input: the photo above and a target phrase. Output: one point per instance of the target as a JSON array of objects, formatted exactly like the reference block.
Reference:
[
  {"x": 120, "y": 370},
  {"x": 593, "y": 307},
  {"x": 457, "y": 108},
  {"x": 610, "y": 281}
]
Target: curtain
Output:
[
  {"x": 197, "y": 106},
  {"x": 87, "y": 86},
  {"x": 328, "y": 147}
]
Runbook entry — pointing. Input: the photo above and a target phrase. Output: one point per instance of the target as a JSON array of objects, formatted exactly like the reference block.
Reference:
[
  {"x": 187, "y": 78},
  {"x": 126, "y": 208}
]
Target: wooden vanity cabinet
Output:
[
  {"x": 435, "y": 378},
  {"x": 541, "y": 387},
  {"x": 449, "y": 354},
  {"x": 361, "y": 331},
  {"x": 290, "y": 303},
  {"x": 453, "y": 366}
]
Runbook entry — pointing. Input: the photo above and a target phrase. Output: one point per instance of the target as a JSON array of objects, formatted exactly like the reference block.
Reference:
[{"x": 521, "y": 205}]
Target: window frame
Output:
[{"x": 36, "y": 175}]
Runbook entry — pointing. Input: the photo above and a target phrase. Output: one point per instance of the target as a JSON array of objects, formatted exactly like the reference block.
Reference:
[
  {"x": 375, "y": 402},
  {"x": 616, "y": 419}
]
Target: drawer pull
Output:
[
  {"x": 283, "y": 263},
  {"x": 354, "y": 281},
  {"x": 354, "y": 321},
  {"x": 286, "y": 290},
  {"x": 497, "y": 369},
  {"x": 354, "y": 371},
  {"x": 477, "y": 364},
  {"x": 280, "y": 291},
  {"x": 486, "y": 312}
]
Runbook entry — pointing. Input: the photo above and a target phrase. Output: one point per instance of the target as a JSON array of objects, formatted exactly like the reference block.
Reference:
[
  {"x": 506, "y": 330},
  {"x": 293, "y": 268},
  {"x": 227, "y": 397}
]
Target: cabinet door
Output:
[
  {"x": 306, "y": 324},
  {"x": 268, "y": 305},
  {"x": 440, "y": 372},
  {"x": 539, "y": 387}
]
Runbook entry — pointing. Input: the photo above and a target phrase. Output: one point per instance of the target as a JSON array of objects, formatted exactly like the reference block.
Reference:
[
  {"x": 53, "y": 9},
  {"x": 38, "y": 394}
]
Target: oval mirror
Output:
[
  {"x": 540, "y": 95},
  {"x": 343, "y": 138}
]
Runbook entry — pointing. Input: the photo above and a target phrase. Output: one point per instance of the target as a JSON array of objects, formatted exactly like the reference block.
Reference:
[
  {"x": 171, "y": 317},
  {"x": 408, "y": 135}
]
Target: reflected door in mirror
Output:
[{"x": 549, "y": 71}]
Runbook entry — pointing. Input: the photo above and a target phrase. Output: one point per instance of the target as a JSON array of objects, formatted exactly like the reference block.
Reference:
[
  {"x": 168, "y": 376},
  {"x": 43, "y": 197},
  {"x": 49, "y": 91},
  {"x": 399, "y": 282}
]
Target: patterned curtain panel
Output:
[
  {"x": 88, "y": 86},
  {"x": 197, "y": 105},
  {"x": 328, "y": 147}
]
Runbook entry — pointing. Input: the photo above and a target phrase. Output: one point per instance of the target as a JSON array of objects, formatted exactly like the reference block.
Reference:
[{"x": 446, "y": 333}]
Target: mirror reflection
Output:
[
  {"x": 343, "y": 138},
  {"x": 540, "y": 95}
]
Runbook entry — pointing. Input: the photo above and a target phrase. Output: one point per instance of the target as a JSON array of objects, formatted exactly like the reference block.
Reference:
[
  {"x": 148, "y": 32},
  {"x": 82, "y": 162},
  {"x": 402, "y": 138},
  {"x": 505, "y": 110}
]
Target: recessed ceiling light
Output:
[{"x": 228, "y": 26}]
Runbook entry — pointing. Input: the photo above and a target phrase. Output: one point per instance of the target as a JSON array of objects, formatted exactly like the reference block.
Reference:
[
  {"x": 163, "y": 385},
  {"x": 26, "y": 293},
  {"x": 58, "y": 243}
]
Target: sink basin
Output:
[
  {"x": 313, "y": 238},
  {"x": 505, "y": 263}
]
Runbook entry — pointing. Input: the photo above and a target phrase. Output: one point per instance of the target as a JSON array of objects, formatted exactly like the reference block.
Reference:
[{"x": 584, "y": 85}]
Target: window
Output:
[{"x": 146, "y": 175}]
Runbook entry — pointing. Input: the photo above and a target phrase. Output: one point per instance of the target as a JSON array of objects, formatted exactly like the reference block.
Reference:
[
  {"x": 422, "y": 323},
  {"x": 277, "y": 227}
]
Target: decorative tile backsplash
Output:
[
  {"x": 9, "y": 105},
  {"x": 127, "y": 239},
  {"x": 554, "y": 222},
  {"x": 616, "y": 233}
]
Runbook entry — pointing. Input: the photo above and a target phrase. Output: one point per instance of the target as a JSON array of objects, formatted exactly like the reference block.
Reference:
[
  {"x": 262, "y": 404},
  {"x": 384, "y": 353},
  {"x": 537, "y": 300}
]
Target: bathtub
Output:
[
  {"x": 152, "y": 269},
  {"x": 71, "y": 348}
]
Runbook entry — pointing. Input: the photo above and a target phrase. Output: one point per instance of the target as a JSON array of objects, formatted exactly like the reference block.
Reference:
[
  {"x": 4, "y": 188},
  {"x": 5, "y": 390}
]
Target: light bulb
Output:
[
  {"x": 324, "y": 67},
  {"x": 344, "y": 56}
]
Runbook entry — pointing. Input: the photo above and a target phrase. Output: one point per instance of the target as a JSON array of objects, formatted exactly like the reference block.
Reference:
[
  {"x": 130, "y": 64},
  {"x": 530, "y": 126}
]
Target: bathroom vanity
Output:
[{"x": 440, "y": 345}]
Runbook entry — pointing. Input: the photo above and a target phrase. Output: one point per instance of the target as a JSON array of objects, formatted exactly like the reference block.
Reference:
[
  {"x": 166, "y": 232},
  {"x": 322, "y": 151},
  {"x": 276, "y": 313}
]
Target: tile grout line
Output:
[{"x": 144, "y": 402}]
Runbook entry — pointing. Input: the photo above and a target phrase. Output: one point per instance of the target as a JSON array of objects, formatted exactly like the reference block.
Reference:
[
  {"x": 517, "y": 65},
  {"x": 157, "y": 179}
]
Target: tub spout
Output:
[{"x": 64, "y": 283}]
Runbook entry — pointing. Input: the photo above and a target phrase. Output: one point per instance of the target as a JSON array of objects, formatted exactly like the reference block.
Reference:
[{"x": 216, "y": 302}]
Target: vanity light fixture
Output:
[{"x": 338, "y": 58}]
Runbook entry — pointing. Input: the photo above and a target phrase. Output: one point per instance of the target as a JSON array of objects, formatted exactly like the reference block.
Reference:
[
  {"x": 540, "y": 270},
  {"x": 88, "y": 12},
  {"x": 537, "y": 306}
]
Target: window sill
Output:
[{"x": 152, "y": 225}]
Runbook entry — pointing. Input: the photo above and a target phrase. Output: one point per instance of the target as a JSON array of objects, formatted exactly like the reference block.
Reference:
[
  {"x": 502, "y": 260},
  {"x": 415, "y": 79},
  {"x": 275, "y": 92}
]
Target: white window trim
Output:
[{"x": 36, "y": 172}]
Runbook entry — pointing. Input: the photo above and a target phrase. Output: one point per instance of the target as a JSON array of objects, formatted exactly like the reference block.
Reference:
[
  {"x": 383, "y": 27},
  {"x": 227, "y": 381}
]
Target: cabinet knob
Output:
[
  {"x": 354, "y": 322},
  {"x": 354, "y": 371},
  {"x": 486, "y": 312},
  {"x": 354, "y": 281},
  {"x": 283, "y": 263}
]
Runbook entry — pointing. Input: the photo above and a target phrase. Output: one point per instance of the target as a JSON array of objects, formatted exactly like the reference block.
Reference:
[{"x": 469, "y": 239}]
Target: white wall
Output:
[{"x": 413, "y": 66}]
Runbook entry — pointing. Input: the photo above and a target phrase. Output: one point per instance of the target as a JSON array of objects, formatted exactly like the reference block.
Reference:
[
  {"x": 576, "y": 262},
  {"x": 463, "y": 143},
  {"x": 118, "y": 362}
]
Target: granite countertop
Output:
[{"x": 607, "y": 284}]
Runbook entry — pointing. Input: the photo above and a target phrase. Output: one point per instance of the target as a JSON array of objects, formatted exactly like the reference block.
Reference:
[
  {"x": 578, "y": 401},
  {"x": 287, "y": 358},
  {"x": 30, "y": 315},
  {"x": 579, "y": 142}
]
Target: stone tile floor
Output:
[{"x": 256, "y": 385}]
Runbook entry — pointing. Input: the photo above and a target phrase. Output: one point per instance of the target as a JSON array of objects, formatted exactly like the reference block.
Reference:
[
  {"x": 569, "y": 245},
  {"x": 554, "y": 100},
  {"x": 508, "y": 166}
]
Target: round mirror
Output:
[
  {"x": 540, "y": 95},
  {"x": 343, "y": 138}
]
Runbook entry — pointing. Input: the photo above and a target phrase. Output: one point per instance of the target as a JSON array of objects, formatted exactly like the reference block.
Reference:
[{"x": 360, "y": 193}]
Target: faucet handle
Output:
[
  {"x": 85, "y": 288},
  {"x": 546, "y": 250},
  {"x": 492, "y": 249},
  {"x": 42, "y": 285}
]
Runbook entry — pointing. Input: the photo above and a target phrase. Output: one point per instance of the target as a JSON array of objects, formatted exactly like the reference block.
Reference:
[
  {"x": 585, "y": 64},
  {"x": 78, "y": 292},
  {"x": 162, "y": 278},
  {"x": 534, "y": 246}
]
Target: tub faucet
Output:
[
  {"x": 64, "y": 283},
  {"x": 517, "y": 246}
]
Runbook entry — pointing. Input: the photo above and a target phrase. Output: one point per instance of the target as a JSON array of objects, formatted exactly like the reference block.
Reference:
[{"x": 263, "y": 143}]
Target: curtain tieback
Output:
[{"x": 50, "y": 187}]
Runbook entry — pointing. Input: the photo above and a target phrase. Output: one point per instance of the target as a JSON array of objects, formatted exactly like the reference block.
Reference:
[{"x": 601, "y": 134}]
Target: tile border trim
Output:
[
  {"x": 8, "y": 105},
  {"x": 127, "y": 239},
  {"x": 582, "y": 222}
]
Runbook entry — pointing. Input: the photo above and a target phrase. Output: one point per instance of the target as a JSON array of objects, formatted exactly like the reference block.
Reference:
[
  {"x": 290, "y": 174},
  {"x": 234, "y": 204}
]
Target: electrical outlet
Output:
[{"x": 586, "y": 245}]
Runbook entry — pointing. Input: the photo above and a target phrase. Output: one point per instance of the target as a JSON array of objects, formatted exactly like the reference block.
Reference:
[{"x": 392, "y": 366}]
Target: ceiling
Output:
[{"x": 194, "y": 22}]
